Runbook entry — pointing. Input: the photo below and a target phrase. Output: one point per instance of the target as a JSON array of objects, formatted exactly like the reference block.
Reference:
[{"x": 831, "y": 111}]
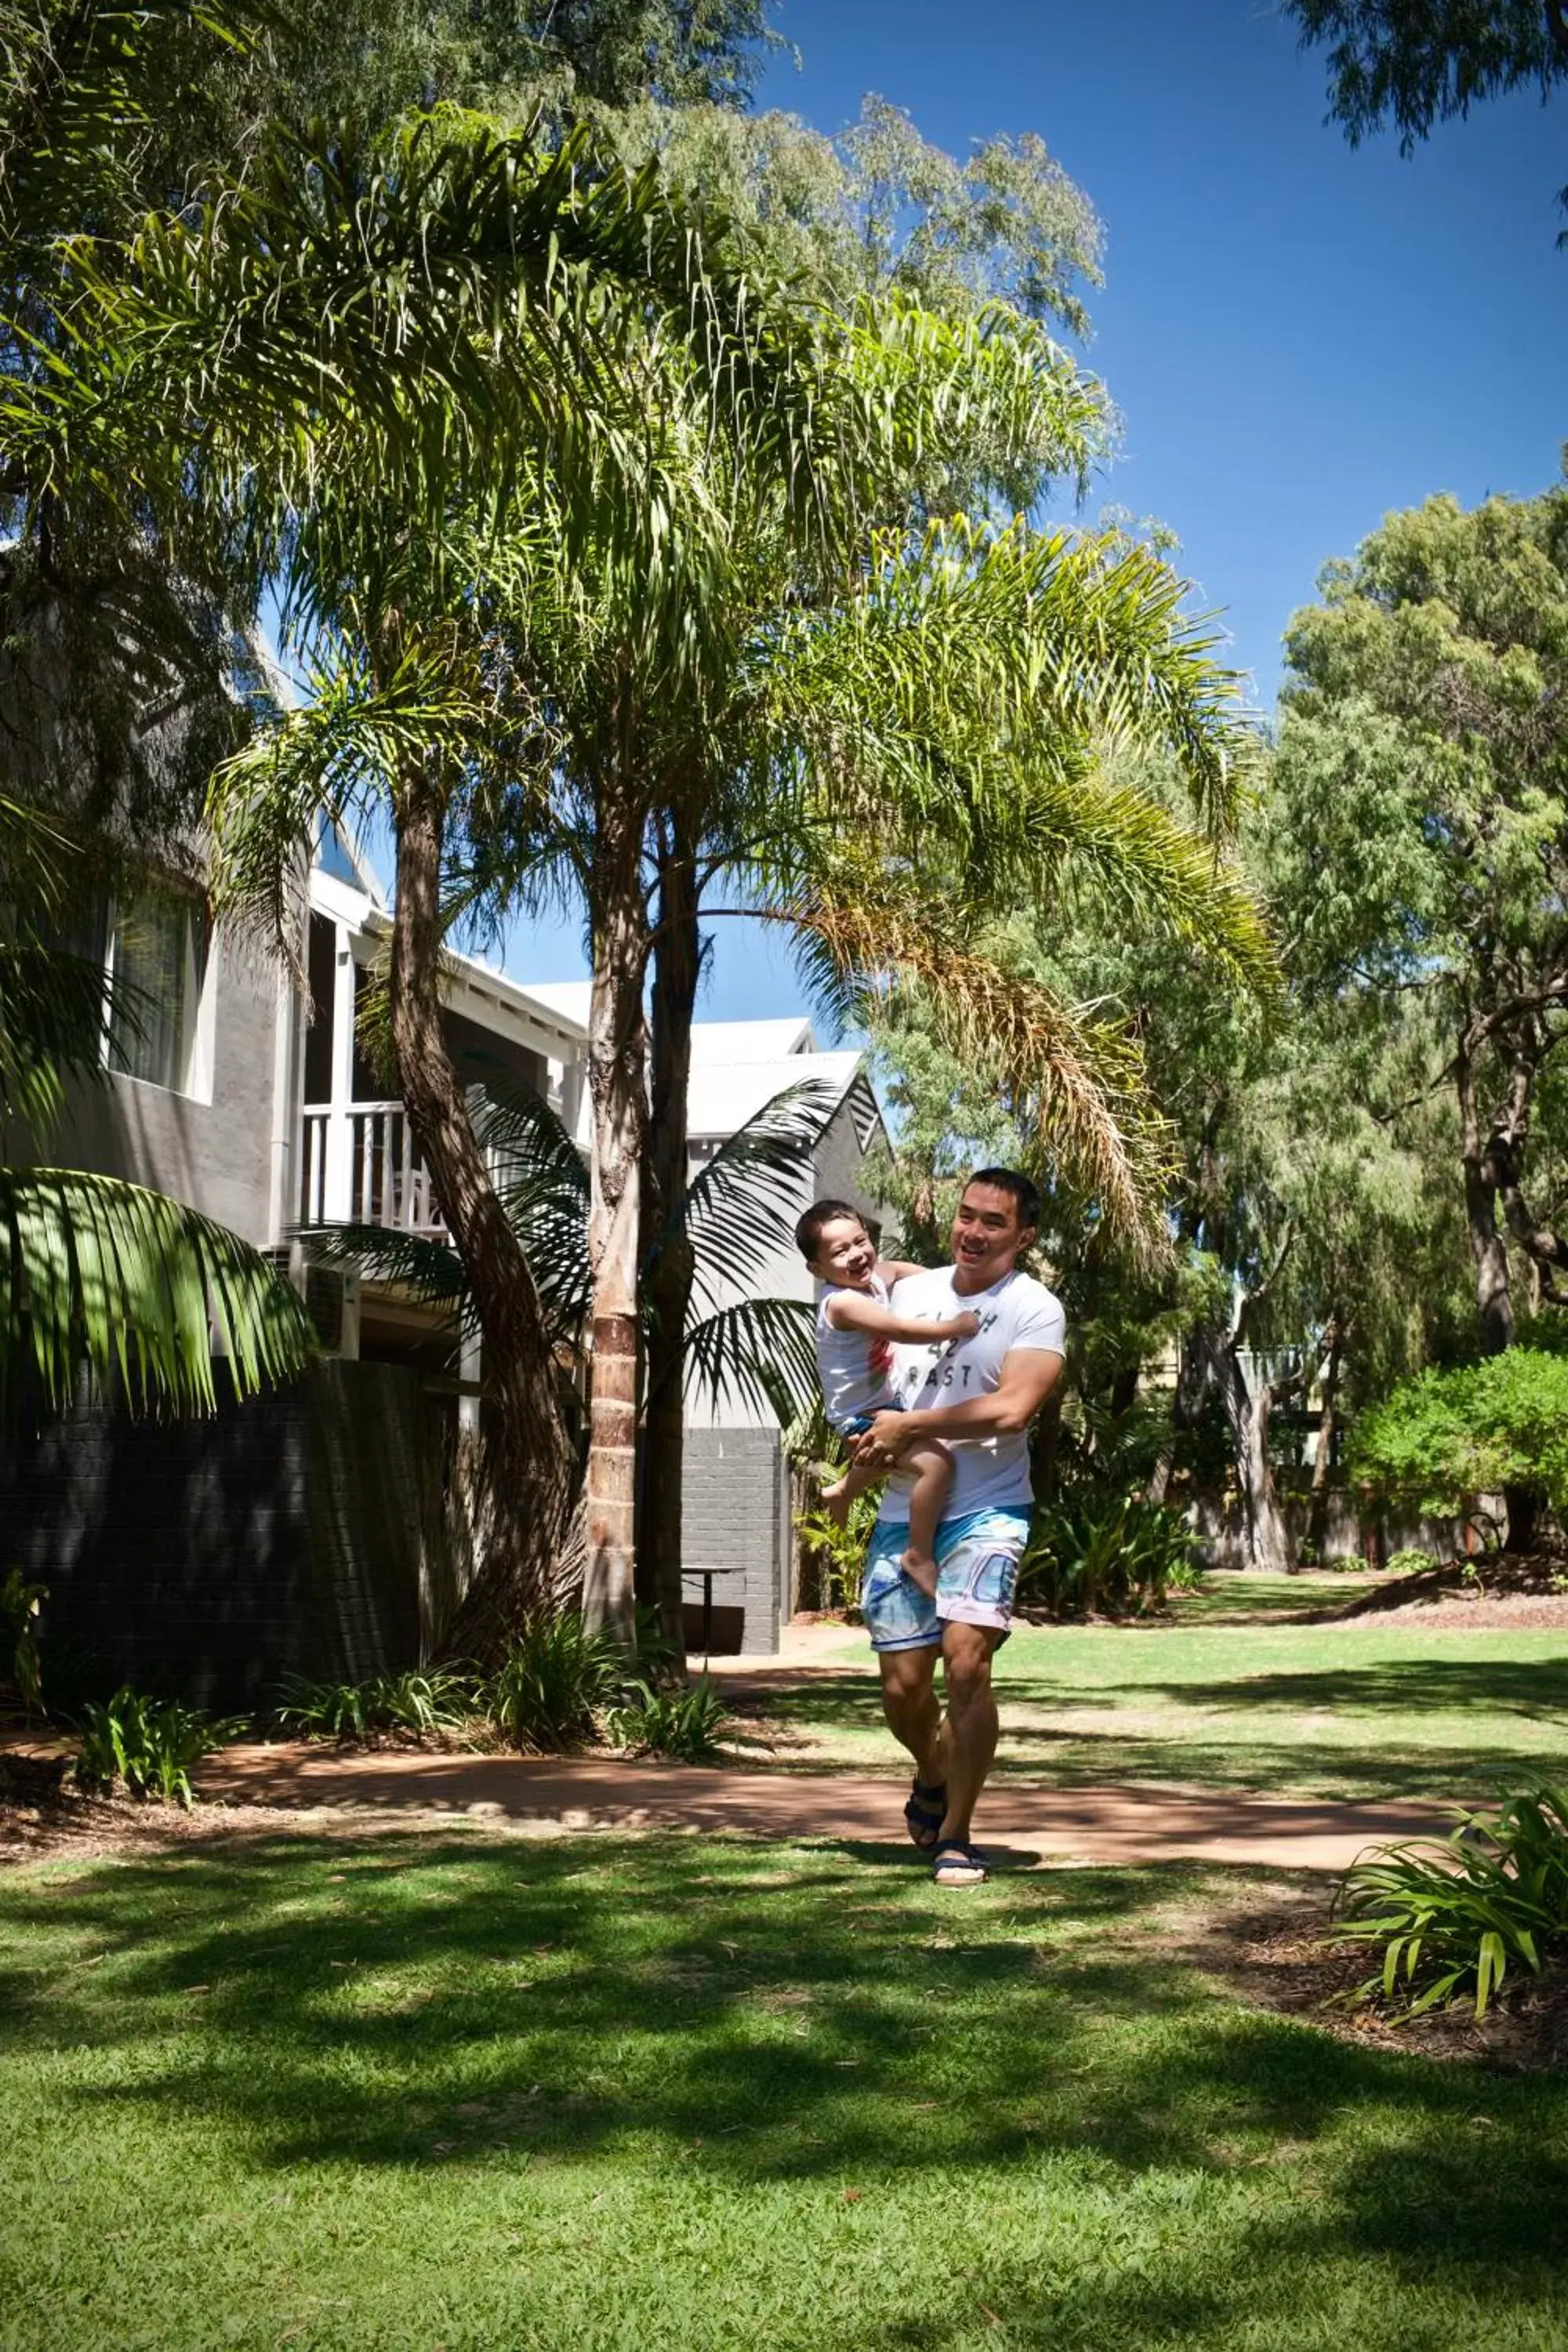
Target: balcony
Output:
[{"x": 359, "y": 1165}]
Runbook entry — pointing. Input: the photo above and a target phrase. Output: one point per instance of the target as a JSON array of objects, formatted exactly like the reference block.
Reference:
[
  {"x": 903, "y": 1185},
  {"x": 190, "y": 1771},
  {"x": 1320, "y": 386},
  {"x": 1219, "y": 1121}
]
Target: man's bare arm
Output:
[
  {"x": 1028, "y": 1377},
  {"x": 850, "y": 1310}
]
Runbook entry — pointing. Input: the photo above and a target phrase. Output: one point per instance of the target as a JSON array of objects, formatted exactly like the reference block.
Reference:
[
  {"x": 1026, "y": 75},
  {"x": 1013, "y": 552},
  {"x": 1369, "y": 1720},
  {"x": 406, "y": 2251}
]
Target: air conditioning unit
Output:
[
  {"x": 331, "y": 1302},
  {"x": 331, "y": 1292}
]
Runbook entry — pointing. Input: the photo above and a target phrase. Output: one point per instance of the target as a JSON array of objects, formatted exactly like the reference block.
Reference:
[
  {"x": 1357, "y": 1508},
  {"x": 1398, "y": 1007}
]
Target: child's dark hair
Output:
[
  {"x": 1025, "y": 1191},
  {"x": 809, "y": 1232}
]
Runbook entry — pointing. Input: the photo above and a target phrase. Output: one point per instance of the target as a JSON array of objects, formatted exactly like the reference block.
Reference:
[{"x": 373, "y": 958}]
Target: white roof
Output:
[
  {"x": 724, "y": 1096},
  {"x": 750, "y": 1041},
  {"x": 568, "y": 998}
]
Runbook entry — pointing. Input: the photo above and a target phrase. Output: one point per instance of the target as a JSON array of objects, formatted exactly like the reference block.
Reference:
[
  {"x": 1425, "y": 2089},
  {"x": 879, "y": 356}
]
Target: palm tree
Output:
[
  {"x": 729, "y": 1221},
  {"x": 941, "y": 691},
  {"x": 542, "y": 289}
]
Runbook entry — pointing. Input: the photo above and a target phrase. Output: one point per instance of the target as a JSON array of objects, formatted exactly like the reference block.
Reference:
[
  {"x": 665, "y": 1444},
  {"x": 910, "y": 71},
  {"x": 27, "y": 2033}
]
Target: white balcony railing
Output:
[{"x": 358, "y": 1165}]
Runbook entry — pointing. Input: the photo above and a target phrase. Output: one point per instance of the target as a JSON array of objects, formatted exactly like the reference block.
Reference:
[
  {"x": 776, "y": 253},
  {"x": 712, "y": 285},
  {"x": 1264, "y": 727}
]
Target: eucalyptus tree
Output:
[
  {"x": 1422, "y": 799},
  {"x": 1412, "y": 64}
]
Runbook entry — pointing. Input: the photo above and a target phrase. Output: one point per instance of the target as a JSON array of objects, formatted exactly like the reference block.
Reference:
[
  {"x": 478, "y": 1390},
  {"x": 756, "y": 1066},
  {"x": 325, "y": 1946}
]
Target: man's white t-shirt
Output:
[{"x": 988, "y": 1472}]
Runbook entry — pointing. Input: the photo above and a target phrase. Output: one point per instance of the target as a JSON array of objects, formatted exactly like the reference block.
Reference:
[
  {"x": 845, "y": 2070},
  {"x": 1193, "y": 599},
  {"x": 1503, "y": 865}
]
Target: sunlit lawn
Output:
[
  {"x": 1357, "y": 1710},
  {"x": 693, "y": 2095}
]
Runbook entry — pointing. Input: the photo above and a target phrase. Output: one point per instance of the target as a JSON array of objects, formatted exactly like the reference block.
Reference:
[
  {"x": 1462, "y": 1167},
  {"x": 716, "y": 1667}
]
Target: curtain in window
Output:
[{"x": 147, "y": 1026}]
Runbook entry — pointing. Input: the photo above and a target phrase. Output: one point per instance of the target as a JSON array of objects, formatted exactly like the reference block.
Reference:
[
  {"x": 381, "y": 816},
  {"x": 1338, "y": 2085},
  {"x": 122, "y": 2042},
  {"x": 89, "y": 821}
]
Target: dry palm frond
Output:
[{"x": 1081, "y": 1083}]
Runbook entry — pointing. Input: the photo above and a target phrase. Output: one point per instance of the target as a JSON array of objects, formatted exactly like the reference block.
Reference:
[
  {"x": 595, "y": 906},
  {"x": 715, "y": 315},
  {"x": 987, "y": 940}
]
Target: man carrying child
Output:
[{"x": 972, "y": 1396}]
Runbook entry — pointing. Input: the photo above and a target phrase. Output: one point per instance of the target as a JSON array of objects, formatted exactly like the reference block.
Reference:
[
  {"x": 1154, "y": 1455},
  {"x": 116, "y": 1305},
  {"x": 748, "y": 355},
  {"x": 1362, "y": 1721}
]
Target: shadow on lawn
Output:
[
  {"x": 1534, "y": 1687},
  {"x": 769, "y": 2015}
]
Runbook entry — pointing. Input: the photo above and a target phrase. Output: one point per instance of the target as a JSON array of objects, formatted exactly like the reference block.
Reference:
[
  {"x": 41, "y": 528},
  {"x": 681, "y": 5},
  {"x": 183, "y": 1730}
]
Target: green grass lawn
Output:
[
  {"x": 1359, "y": 1710},
  {"x": 494, "y": 2095}
]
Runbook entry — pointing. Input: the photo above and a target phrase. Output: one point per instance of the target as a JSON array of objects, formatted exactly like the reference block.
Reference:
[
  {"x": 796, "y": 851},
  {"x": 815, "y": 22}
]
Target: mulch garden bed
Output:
[
  {"x": 1515, "y": 1591},
  {"x": 1282, "y": 1960}
]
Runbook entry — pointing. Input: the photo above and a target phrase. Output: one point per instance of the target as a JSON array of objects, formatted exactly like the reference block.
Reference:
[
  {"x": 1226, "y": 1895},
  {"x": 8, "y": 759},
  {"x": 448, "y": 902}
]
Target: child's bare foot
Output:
[
  {"x": 920, "y": 1568},
  {"x": 836, "y": 1502}
]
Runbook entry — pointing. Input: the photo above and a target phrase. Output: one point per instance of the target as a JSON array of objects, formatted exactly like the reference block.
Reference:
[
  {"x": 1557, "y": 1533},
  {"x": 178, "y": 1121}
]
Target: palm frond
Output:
[
  {"x": 54, "y": 1005},
  {"x": 1077, "y": 1082},
  {"x": 141, "y": 1288},
  {"x": 753, "y": 1351},
  {"x": 739, "y": 1211},
  {"x": 423, "y": 1264},
  {"x": 543, "y": 1189}
]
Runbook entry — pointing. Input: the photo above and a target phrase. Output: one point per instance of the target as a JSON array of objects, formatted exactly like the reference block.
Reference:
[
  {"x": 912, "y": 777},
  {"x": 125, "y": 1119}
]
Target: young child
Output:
[{"x": 856, "y": 1328}]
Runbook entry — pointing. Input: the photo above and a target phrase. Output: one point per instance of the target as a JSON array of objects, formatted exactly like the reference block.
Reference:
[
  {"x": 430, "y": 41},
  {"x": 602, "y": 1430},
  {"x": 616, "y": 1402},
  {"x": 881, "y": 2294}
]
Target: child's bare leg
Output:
[
  {"x": 929, "y": 1468},
  {"x": 837, "y": 1498}
]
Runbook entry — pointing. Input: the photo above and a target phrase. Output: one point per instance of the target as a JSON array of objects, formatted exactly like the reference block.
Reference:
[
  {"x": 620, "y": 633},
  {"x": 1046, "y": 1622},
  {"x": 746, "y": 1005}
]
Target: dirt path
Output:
[{"x": 1028, "y": 1826}]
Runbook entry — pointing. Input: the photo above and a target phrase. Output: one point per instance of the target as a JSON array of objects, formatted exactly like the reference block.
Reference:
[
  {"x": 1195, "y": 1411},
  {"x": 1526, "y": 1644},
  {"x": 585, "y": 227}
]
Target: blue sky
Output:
[{"x": 1299, "y": 337}]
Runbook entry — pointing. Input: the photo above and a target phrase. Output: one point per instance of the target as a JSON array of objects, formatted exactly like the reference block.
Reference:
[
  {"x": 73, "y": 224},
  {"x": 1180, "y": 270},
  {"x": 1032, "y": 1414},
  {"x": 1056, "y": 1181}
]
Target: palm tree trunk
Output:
[
  {"x": 666, "y": 1255},
  {"x": 617, "y": 1076},
  {"x": 527, "y": 1455}
]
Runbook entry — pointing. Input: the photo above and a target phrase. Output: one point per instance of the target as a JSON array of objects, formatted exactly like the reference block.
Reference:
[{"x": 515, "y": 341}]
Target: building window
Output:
[{"x": 157, "y": 961}]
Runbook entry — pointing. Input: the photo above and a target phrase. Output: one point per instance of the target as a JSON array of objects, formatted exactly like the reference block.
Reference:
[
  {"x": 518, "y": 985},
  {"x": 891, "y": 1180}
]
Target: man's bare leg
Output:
[
  {"x": 913, "y": 1715},
  {"x": 969, "y": 1744}
]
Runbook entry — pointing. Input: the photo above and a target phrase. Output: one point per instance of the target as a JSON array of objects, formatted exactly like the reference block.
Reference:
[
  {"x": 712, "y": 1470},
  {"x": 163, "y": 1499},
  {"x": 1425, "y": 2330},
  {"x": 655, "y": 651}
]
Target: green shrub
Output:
[
  {"x": 1439, "y": 1441},
  {"x": 1411, "y": 1561},
  {"x": 1092, "y": 1553},
  {"x": 419, "y": 1701},
  {"x": 149, "y": 1744},
  {"x": 1452, "y": 1916},
  {"x": 19, "y": 1605},
  {"x": 685, "y": 1724},
  {"x": 553, "y": 1682},
  {"x": 843, "y": 1549}
]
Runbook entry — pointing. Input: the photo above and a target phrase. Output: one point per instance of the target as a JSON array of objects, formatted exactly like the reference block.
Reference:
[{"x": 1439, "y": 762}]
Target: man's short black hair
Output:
[
  {"x": 809, "y": 1232},
  {"x": 1025, "y": 1191}
]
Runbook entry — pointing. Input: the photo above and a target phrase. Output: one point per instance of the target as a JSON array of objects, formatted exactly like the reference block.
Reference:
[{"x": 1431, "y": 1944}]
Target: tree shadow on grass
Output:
[
  {"x": 1535, "y": 1688},
  {"x": 769, "y": 2015},
  {"x": 1353, "y": 1772}
]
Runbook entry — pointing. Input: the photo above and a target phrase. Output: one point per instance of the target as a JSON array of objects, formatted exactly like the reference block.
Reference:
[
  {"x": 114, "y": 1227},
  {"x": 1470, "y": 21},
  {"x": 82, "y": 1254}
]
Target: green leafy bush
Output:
[
  {"x": 419, "y": 1701},
  {"x": 685, "y": 1724},
  {"x": 1453, "y": 1916},
  {"x": 1092, "y": 1553},
  {"x": 1438, "y": 1441},
  {"x": 1411, "y": 1561},
  {"x": 842, "y": 1548},
  {"x": 554, "y": 1680},
  {"x": 19, "y": 1605},
  {"x": 149, "y": 1744}
]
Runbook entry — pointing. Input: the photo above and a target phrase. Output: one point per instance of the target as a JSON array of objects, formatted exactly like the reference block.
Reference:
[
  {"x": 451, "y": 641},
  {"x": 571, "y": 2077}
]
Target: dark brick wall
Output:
[{"x": 206, "y": 1560}]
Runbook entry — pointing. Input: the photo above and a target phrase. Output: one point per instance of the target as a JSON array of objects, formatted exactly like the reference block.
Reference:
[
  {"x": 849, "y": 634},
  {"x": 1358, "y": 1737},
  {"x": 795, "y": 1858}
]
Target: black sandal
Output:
[
  {"x": 925, "y": 1809},
  {"x": 958, "y": 1864}
]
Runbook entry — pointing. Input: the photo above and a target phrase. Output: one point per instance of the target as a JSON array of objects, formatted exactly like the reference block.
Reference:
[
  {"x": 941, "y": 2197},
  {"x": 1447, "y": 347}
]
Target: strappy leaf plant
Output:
[{"x": 1453, "y": 1918}]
